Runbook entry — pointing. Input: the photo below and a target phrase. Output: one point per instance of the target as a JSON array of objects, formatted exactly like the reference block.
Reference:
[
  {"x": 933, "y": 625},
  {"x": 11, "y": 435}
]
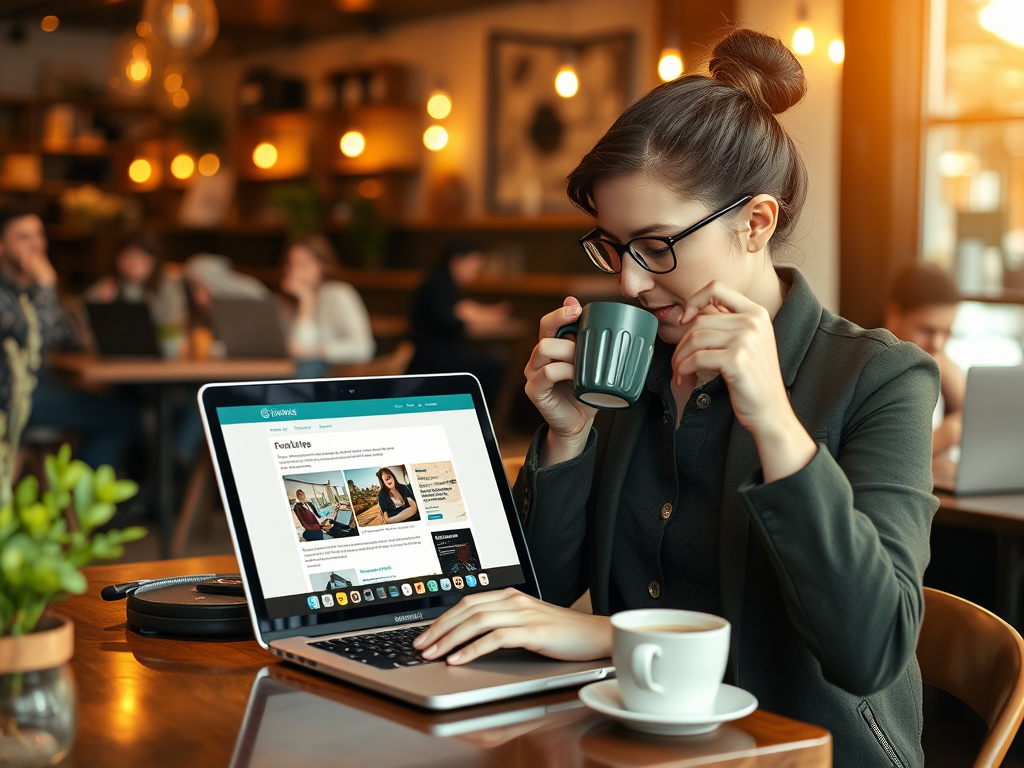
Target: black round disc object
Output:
[{"x": 190, "y": 610}]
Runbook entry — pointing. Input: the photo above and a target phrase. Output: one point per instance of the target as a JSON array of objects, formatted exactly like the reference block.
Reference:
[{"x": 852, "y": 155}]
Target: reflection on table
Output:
[{"x": 158, "y": 701}]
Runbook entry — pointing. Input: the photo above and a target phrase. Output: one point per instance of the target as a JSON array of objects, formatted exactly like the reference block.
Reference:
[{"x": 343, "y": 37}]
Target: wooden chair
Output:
[{"x": 979, "y": 658}]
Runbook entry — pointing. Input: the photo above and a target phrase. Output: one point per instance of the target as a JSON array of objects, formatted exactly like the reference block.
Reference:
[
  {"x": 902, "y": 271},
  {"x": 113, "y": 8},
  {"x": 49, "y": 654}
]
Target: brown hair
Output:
[
  {"x": 715, "y": 137},
  {"x": 380, "y": 476},
  {"x": 321, "y": 249},
  {"x": 146, "y": 242},
  {"x": 923, "y": 285}
]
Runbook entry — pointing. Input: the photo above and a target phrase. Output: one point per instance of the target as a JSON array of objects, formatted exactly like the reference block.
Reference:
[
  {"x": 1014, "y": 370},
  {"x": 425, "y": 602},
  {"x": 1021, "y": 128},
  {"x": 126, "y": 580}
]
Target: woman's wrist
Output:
[
  {"x": 556, "y": 448},
  {"x": 784, "y": 447}
]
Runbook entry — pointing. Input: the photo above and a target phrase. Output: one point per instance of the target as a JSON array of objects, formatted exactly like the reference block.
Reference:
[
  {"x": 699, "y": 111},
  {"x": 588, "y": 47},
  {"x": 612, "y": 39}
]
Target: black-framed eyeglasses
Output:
[{"x": 655, "y": 254}]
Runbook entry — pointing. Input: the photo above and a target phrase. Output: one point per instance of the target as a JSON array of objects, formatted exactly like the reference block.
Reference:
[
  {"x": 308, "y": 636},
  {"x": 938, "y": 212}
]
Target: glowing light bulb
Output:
[
  {"x": 172, "y": 82},
  {"x": 352, "y": 144},
  {"x": 140, "y": 171},
  {"x": 670, "y": 65},
  {"x": 837, "y": 51},
  {"x": 265, "y": 155},
  {"x": 803, "y": 41},
  {"x": 439, "y": 105},
  {"x": 49, "y": 23},
  {"x": 182, "y": 166},
  {"x": 209, "y": 164},
  {"x": 566, "y": 82},
  {"x": 1004, "y": 18},
  {"x": 179, "y": 22},
  {"x": 435, "y": 138},
  {"x": 138, "y": 70}
]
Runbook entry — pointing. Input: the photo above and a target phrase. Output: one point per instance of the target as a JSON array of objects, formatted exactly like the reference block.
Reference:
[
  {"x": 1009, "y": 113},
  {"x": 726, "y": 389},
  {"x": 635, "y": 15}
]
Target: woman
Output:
[
  {"x": 327, "y": 321},
  {"x": 141, "y": 276},
  {"x": 777, "y": 469},
  {"x": 395, "y": 499}
]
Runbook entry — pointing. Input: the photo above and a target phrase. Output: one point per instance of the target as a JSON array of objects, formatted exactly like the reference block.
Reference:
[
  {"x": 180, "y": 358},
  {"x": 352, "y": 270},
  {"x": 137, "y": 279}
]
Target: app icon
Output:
[
  {"x": 458, "y": 582},
  {"x": 356, "y": 597},
  {"x": 420, "y": 589},
  {"x": 313, "y": 602},
  {"x": 470, "y": 580},
  {"x": 367, "y": 594},
  {"x": 446, "y": 584},
  {"x": 406, "y": 589},
  {"x": 381, "y": 593},
  {"x": 327, "y": 600},
  {"x": 432, "y": 585},
  {"x": 342, "y": 598},
  {"x": 484, "y": 579},
  {"x": 393, "y": 591}
]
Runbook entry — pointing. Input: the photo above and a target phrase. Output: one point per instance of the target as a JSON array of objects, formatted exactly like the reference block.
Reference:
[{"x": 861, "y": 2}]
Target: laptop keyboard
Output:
[{"x": 384, "y": 650}]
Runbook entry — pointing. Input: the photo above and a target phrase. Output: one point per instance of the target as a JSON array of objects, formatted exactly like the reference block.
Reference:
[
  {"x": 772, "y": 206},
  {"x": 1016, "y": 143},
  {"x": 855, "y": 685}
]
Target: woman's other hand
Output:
[
  {"x": 549, "y": 375},
  {"x": 733, "y": 336},
  {"x": 509, "y": 619}
]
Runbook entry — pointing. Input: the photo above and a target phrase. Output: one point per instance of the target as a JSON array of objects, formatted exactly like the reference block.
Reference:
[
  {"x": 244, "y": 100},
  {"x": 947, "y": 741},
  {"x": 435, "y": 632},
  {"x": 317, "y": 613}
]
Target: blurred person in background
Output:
[
  {"x": 442, "y": 318},
  {"x": 140, "y": 275},
  {"x": 106, "y": 426},
  {"x": 922, "y": 307},
  {"x": 326, "y": 322}
]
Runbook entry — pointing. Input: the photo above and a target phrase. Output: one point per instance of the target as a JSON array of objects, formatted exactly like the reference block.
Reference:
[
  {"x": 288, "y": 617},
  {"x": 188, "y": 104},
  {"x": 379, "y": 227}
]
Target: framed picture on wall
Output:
[{"x": 535, "y": 137}]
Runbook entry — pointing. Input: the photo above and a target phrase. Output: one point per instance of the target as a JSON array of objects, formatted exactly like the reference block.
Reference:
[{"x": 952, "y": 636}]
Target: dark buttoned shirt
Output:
[{"x": 666, "y": 532}]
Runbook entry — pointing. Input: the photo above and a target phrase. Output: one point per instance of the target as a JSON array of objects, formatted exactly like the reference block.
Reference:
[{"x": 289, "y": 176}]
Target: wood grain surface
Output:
[{"x": 173, "y": 702}]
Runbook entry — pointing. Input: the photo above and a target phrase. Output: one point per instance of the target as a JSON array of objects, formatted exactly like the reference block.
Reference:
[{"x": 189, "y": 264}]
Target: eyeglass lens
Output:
[{"x": 655, "y": 254}]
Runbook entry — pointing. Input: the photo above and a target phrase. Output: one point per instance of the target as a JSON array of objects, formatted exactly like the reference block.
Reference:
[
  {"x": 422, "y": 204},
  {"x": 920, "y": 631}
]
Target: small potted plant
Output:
[{"x": 47, "y": 533}]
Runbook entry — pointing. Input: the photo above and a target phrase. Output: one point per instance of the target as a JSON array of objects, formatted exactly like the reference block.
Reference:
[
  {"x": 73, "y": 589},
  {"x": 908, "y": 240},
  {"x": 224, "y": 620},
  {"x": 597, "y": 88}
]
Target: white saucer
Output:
[{"x": 731, "y": 703}]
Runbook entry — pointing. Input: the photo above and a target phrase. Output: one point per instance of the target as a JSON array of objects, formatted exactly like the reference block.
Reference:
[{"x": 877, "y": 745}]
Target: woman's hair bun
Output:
[{"x": 761, "y": 66}]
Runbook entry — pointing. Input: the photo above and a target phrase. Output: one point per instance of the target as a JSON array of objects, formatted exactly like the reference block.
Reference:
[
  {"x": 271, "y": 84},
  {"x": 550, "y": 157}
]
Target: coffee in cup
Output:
[
  {"x": 669, "y": 662},
  {"x": 614, "y": 346}
]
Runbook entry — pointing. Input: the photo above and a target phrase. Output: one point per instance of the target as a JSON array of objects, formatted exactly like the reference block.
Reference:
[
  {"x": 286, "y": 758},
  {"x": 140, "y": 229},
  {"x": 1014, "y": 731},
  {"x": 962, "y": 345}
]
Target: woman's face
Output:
[
  {"x": 303, "y": 267},
  {"x": 635, "y": 205},
  {"x": 135, "y": 265},
  {"x": 389, "y": 480}
]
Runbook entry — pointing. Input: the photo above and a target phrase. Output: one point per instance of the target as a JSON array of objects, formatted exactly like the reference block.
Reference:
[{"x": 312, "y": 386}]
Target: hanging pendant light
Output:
[
  {"x": 670, "y": 63},
  {"x": 182, "y": 27},
  {"x": 567, "y": 83},
  {"x": 803, "y": 37}
]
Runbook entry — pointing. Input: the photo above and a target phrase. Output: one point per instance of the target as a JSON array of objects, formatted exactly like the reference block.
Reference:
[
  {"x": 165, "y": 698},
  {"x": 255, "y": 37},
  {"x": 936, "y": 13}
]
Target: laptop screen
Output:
[{"x": 364, "y": 507}]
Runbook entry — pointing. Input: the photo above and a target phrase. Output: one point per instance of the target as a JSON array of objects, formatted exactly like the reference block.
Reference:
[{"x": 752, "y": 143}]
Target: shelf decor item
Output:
[{"x": 45, "y": 537}]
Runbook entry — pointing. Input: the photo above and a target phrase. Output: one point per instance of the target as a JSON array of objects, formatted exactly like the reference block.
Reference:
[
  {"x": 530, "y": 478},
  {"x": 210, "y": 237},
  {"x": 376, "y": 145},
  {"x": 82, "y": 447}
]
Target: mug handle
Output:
[
  {"x": 642, "y": 664},
  {"x": 572, "y": 327}
]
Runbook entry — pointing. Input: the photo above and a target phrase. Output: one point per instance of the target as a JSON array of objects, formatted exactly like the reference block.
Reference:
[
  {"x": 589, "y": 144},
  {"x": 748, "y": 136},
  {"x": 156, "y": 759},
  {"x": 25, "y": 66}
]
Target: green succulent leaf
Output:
[
  {"x": 83, "y": 493},
  {"x": 27, "y": 492},
  {"x": 98, "y": 514},
  {"x": 71, "y": 579},
  {"x": 124, "y": 489},
  {"x": 36, "y": 519}
]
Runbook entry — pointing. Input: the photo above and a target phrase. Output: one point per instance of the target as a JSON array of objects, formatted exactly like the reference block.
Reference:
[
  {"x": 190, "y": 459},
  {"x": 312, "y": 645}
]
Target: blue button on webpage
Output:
[{"x": 437, "y": 516}]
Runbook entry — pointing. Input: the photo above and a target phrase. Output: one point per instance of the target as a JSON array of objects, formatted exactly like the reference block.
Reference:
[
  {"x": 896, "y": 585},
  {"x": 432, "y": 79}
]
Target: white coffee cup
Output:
[{"x": 669, "y": 662}]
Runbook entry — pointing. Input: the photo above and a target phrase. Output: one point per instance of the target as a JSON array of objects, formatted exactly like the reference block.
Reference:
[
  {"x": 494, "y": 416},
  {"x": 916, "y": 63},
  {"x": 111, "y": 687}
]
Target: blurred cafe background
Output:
[{"x": 416, "y": 152}]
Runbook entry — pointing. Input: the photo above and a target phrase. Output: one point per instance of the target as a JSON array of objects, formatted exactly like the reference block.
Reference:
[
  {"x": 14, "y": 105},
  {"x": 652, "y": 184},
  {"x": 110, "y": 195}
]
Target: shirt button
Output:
[
  {"x": 703, "y": 400},
  {"x": 666, "y": 511},
  {"x": 654, "y": 588}
]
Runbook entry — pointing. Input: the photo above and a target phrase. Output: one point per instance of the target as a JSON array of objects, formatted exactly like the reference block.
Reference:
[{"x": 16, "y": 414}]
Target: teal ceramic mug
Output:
[{"x": 614, "y": 345}]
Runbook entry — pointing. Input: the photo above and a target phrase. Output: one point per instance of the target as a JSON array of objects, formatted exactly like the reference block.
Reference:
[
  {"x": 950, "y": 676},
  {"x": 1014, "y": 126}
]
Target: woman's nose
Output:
[{"x": 633, "y": 279}]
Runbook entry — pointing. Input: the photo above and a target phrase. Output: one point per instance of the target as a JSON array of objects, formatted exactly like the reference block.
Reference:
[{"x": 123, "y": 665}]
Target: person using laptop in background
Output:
[
  {"x": 326, "y": 320},
  {"x": 775, "y": 471},
  {"x": 922, "y": 307},
  {"x": 106, "y": 426},
  {"x": 140, "y": 275}
]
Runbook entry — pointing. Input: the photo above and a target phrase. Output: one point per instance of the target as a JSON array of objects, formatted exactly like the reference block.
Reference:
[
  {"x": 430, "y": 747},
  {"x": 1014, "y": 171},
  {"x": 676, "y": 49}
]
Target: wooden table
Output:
[
  {"x": 161, "y": 702},
  {"x": 164, "y": 376}
]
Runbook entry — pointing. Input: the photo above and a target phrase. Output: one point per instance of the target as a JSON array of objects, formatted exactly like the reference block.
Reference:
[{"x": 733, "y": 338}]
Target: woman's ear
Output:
[{"x": 762, "y": 219}]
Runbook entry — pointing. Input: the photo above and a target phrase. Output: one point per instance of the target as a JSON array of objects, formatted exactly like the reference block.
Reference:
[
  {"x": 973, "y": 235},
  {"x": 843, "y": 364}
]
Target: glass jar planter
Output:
[{"x": 37, "y": 695}]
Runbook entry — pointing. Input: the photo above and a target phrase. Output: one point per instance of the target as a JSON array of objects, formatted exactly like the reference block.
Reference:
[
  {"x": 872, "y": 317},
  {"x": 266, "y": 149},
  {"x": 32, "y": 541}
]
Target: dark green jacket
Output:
[{"x": 820, "y": 572}]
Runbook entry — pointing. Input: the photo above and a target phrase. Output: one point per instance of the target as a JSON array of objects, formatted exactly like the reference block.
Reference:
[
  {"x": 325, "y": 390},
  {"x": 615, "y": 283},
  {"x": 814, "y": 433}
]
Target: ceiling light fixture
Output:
[
  {"x": 803, "y": 38},
  {"x": 1004, "y": 18}
]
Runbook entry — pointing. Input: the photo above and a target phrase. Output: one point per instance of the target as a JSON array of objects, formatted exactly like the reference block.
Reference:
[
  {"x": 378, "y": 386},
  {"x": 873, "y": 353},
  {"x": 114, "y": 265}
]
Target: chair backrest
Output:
[
  {"x": 979, "y": 658},
  {"x": 512, "y": 466}
]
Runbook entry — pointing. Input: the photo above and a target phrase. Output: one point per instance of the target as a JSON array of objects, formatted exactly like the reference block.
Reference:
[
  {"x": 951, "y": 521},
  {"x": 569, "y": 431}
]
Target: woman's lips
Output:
[{"x": 662, "y": 313}]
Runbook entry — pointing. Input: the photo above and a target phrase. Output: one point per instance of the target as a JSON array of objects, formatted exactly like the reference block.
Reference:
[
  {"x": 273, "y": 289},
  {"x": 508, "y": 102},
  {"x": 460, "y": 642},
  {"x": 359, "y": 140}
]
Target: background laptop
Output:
[
  {"x": 329, "y": 438},
  {"x": 249, "y": 327},
  {"x": 124, "y": 329},
  {"x": 992, "y": 441}
]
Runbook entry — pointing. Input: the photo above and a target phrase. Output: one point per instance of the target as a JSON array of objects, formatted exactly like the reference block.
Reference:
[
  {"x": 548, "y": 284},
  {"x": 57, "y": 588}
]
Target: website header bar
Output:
[{"x": 248, "y": 414}]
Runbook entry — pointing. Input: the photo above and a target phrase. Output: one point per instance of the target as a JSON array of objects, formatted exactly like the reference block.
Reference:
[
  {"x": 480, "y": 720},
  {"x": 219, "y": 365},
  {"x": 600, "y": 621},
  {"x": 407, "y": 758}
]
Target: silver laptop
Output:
[
  {"x": 410, "y": 463},
  {"x": 992, "y": 441},
  {"x": 249, "y": 327}
]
